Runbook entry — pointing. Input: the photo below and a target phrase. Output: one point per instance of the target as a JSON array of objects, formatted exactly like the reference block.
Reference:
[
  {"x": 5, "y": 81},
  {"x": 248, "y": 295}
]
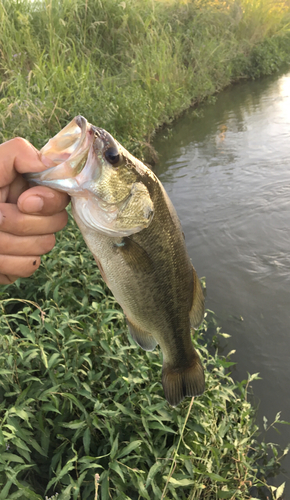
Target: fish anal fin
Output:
[
  {"x": 179, "y": 382},
  {"x": 143, "y": 339},
  {"x": 196, "y": 313}
]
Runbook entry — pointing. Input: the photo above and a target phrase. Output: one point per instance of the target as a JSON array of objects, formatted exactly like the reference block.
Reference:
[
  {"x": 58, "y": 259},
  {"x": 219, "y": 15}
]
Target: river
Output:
[{"x": 227, "y": 172}]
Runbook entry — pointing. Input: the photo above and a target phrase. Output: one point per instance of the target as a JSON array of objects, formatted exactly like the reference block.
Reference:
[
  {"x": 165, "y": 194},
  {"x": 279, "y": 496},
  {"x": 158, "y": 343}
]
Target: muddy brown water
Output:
[{"x": 227, "y": 172}]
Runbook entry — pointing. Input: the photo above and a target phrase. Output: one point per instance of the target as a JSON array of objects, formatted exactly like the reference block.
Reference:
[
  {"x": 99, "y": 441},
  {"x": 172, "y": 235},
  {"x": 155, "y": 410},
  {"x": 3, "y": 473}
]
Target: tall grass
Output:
[
  {"x": 82, "y": 411},
  {"x": 128, "y": 66}
]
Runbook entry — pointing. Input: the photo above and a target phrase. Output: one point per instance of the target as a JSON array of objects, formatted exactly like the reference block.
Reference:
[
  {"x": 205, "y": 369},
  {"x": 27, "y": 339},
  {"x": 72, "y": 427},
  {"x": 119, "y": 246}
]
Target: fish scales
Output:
[{"x": 131, "y": 227}]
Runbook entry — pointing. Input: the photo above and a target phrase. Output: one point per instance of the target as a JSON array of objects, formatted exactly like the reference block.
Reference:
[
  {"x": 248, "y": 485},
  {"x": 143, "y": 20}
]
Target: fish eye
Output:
[{"x": 112, "y": 155}]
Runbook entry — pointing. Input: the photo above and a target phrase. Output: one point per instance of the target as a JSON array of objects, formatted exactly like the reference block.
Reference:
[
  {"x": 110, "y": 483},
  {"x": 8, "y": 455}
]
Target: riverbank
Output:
[{"x": 77, "y": 397}]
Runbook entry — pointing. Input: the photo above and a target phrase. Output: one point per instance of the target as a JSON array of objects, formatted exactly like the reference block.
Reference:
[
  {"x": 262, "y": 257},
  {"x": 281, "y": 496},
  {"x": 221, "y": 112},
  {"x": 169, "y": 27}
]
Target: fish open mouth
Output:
[
  {"x": 65, "y": 155},
  {"x": 66, "y": 143}
]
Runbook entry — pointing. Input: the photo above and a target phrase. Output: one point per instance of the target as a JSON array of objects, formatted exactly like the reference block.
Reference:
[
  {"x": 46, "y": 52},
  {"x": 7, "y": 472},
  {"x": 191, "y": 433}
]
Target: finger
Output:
[
  {"x": 18, "y": 155},
  {"x": 26, "y": 245},
  {"x": 15, "y": 189},
  {"x": 42, "y": 200},
  {"x": 15, "y": 222},
  {"x": 19, "y": 266},
  {"x": 6, "y": 279}
]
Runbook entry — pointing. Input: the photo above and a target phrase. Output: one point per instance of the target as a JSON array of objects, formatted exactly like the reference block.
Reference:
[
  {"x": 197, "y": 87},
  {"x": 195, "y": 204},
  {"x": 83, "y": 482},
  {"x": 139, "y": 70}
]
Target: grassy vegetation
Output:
[
  {"x": 128, "y": 66},
  {"x": 77, "y": 396}
]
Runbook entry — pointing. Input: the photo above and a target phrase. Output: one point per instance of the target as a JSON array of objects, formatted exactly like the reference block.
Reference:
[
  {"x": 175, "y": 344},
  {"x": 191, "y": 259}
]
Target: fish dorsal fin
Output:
[
  {"x": 143, "y": 339},
  {"x": 196, "y": 313}
]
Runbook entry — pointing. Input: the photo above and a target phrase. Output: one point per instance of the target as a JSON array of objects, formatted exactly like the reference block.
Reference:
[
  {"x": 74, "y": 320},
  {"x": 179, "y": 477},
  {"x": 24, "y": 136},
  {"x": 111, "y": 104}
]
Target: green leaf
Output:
[
  {"x": 26, "y": 332},
  {"x": 49, "y": 407},
  {"x": 36, "y": 446},
  {"x": 74, "y": 399},
  {"x": 2, "y": 441},
  {"x": 124, "y": 410},
  {"x": 53, "y": 359},
  {"x": 3, "y": 371},
  {"x": 46, "y": 395},
  {"x": 22, "y": 414},
  {"x": 162, "y": 427},
  {"x": 87, "y": 440},
  {"x": 153, "y": 471},
  {"x": 226, "y": 494},
  {"x": 142, "y": 490},
  {"x": 198, "y": 428},
  {"x": 116, "y": 467},
  {"x": 254, "y": 376},
  {"x": 65, "y": 494},
  {"x": 24, "y": 492},
  {"x": 104, "y": 482},
  {"x": 11, "y": 457},
  {"x": 216, "y": 477},
  {"x": 55, "y": 293},
  {"x": 114, "y": 446},
  {"x": 20, "y": 444},
  {"x": 43, "y": 356},
  {"x": 77, "y": 424},
  {"x": 129, "y": 448},
  {"x": 5, "y": 491},
  {"x": 181, "y": 482},
  {"x": 62, "y": 472}
]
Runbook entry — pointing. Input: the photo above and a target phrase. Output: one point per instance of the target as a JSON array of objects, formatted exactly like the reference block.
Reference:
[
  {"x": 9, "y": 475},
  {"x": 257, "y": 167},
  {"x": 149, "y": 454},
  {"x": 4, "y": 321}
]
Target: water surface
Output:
[{"x": 228, "y": 175}]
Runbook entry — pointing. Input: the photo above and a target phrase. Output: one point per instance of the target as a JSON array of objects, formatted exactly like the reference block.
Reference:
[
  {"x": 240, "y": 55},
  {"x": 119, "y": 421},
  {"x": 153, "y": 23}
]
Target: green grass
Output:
[
  {"x": 128, "y": 66},
  {"x": 77, "y": 396}
]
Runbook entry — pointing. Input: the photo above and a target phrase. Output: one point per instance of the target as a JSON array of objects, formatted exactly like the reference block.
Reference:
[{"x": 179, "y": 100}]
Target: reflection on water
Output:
[{"x": 228, "y": 175}]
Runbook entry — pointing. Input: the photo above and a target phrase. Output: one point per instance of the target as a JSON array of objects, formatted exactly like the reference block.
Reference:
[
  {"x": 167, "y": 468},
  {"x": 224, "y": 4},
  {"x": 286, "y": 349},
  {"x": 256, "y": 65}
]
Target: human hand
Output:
[{"x": 28, "y": 216}]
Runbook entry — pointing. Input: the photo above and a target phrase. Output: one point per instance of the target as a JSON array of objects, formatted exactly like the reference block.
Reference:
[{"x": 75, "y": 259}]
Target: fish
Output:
[{"x": 131, "y": 227}]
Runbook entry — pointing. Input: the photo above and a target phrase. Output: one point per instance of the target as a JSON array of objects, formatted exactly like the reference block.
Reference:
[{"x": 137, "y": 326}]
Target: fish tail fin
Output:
[{"x": 179, "y": 382}]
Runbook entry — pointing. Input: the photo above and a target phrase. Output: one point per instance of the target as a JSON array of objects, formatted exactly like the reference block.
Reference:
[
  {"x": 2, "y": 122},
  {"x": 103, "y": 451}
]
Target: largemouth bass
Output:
[{"x": 134, "y": 234}]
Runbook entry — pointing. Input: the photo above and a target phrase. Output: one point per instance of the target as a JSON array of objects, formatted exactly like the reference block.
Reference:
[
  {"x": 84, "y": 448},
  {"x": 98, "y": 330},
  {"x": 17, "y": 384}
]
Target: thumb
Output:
[{"x": 18, "y": 156}]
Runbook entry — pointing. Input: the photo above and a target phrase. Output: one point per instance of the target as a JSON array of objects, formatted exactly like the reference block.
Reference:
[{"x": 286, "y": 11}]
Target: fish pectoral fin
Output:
[
  {"x": 143, "y": 339},
  {"x": 196, "y": 313},
  {"x": 135, "y": 256},
  {"x": 183, "y": 381}
]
